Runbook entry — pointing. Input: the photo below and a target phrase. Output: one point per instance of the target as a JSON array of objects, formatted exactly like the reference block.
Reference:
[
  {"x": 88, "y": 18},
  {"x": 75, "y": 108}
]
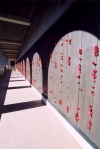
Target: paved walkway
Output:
[{"x": 25, "y": 122}]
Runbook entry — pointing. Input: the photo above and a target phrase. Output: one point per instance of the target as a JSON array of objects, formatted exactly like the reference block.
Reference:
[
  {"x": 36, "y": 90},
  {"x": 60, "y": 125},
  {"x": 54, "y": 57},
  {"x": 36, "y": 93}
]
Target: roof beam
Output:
[
  {"x": 11, "y": 58},
  {"x": 14, "y": 19},
  {"x": 10, "y": 42},
  {"x": 10, "y": 54},
  {"x": 14, "y": 51}
]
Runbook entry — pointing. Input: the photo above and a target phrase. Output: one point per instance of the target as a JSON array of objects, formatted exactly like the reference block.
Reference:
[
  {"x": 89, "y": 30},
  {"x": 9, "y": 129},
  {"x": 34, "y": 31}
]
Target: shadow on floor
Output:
[
  {"x": 17, "y": 77},
  {"x": 15, "y": 80},
  {"x": 17, "y": 106},
  {"x": 21, "y": 106},
  {"x": 18, "y": 87},
  {"x": 3, "y": 88}
]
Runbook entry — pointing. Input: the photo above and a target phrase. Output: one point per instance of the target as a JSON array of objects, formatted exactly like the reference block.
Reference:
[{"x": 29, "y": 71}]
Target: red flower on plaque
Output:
[
  {"x": 79, "y": 68},
  {"x": 94, "y": 63},
  {"x": 95, "y": 71},
  {"x": 92, "y": 93},
  {"x": 80, "y": 51},
  {"x": 96, "y": 51},
  {"x": 93, "y": 87},
  {"x": 77, "y": 108},
  {"x": 60, "y": 102},
  {"x": 70, "y": 40},
  {"x": 78, "y": 76},
  {"x": 89, "y": 125},
  {"x": 69, "y": 60},
  {"x": 61, "y": 70},
  {"x": 94, "y": 76},
  {"x": 67, "y": 109},
  {"x": 76, "y": 116},
  {"x": 80, "y": 89},
  {"x": 90, "y": 111},
  {"x": 55, "y": 65},
  {"x": 80, "y": 59}
]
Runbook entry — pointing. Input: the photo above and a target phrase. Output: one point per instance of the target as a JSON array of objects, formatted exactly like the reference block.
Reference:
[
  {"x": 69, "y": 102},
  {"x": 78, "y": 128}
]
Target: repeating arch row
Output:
[
  {"x": 34, "y": 75},
  {"x": 73, "y": 80}
]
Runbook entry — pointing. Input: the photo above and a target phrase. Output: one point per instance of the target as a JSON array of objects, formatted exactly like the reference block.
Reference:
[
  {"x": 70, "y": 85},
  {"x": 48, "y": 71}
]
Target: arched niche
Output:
[
  {"x": 19, "y": 66},
  {"x": 37, "y": 72},
  {"x": 69, "y": 87},
  {"x": 28, "y": 69},
  {"x": 23, "y": 68}
]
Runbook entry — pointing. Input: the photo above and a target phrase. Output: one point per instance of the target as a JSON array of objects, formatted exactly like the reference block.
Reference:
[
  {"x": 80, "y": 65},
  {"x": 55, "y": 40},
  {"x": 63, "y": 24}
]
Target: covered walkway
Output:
[{"x": 25, "y": 121}]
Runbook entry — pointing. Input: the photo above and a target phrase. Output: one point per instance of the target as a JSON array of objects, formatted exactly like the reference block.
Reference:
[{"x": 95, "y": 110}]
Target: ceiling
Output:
[{"x": 15, "y": 16}]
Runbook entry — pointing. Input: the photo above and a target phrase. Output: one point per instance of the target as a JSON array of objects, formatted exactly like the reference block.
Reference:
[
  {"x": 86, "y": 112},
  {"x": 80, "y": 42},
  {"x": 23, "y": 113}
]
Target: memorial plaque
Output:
[
  {"x": 95, "y": 129},
  {"x": 86, "y": 80},
  {"x": 37, "y": 72},
  {"x": 23, "y": 68},
  {"x": 28, "y": 69}
]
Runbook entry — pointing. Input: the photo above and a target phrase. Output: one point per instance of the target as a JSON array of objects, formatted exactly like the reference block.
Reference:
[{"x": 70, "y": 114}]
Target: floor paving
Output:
[{"x": 25, "y": 121}]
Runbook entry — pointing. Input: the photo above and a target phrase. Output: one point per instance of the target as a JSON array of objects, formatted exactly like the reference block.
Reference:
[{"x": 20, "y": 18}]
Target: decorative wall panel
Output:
[
  {"x": 73, "y": 81},
  {"x": 23, "y": 68},
  {"x": 28, "y": 70},
  {"x": 37, "y": 72}
]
